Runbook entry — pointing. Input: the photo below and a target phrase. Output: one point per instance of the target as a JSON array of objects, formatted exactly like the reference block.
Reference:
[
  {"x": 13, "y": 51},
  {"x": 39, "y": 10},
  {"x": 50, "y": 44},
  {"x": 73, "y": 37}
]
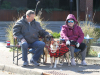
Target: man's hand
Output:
[
  {"x": 67, "y": 42},
  {"x": 23, "y": 40},
  {"x": 77, "y": 44},
  {"x": 48, "y": 36}
]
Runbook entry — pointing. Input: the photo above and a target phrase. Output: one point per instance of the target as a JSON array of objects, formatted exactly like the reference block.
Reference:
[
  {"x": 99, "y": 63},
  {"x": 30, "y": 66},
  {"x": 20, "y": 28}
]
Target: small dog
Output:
[
  {"x": 53, "y": 48},
  {"x": 56, "y": 51}
]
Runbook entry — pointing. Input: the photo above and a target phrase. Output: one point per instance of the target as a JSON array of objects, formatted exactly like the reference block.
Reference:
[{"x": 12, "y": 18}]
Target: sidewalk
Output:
[{"x": 6, "y": 64}]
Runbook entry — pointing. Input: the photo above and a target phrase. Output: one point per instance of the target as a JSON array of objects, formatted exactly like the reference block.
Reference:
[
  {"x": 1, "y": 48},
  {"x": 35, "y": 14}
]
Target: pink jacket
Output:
[{"x": 74, "y": 33}]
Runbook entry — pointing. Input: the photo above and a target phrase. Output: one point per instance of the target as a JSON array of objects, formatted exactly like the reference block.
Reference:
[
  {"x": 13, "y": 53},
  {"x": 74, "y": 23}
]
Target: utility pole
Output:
[
  {"x": 71, "y": 5},
  {"x": 77, "y": 8},
  {"x": 0, "y": 2}
]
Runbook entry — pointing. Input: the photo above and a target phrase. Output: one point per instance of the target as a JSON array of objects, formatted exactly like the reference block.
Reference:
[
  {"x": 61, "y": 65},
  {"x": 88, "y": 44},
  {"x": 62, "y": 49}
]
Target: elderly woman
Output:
[{"x": 73, "y": 36}]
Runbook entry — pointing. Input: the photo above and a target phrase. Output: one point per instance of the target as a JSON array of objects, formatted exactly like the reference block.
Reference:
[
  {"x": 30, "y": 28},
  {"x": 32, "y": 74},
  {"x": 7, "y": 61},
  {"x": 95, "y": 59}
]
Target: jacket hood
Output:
[{"x": 71, "y": 16}]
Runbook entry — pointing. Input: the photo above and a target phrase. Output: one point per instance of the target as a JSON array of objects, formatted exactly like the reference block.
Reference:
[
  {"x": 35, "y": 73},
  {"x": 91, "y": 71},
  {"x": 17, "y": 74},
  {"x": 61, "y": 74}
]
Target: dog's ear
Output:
[
  {"x": 52, "y": 42},
  {"x": 58, "y": 41},
  {"x": 52, "y": 39},
  {"x": 51, "y": 36}
]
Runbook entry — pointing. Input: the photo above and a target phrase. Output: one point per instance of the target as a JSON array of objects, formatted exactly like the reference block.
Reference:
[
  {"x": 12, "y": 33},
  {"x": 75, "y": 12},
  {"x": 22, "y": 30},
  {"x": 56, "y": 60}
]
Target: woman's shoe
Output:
[
  {"x": 84, "y": 63},
  {"x": 73, "y": 62}
]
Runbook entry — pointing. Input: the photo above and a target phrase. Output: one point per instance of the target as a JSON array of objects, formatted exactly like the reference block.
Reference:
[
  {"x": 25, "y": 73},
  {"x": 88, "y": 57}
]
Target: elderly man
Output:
[{"x": 28, "y": 30}]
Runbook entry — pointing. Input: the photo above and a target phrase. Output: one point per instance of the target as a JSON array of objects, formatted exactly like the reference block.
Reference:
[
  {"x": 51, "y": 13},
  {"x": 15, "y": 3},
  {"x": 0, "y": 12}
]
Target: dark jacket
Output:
[{"x": 31, "y": 32}]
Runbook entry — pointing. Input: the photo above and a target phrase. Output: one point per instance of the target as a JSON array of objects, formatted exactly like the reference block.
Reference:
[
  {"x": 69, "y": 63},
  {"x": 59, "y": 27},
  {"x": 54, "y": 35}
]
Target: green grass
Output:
[{"x": 19, "y": 49}]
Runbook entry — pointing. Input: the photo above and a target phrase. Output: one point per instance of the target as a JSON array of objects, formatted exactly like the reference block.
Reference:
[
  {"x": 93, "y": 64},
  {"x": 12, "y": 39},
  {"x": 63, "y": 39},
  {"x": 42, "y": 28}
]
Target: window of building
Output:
[
  {"x": 65, "y": 4},
  {"x": 96, "y": 5}
]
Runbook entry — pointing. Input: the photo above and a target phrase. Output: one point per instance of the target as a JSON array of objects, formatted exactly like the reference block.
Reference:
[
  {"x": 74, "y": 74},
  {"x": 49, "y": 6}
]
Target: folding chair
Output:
[
  {"x": 16, "y": 47},
  {"x": 76, "y": 52}
]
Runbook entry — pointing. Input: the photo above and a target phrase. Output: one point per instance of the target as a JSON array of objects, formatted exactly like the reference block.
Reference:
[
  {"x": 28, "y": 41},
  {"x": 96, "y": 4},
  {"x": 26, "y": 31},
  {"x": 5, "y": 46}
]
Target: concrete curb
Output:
[
  {"x": 93, "y": 60},
  {"x": 19, "y": 70},
  {"x": 96, "y": 48}
]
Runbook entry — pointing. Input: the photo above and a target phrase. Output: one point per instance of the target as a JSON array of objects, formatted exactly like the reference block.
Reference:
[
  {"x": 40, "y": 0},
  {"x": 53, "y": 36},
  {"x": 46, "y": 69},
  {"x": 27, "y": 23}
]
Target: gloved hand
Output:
[
  {"x": 67, "y": 42},
  {"x": 77, "y": 44}
]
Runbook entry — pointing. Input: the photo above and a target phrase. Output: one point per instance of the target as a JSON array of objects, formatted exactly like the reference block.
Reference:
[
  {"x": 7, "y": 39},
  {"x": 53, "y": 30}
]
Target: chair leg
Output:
[
  {"x": 77, "y": 57},
  {"x": 13, "y": 54},
  {"x": 17, "y": 55},
  {"x": 76, "y": 60},
  {"x": 43, "y": 56}
]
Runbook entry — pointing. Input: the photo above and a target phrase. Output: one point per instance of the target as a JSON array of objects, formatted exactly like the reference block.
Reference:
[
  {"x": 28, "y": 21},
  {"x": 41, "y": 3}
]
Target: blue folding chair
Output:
[{"x": 77, "y": 54}]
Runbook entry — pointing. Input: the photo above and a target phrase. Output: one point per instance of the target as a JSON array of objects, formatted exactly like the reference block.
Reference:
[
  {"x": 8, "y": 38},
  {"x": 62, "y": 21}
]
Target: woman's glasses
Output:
[{"x": 70, "y": 21}]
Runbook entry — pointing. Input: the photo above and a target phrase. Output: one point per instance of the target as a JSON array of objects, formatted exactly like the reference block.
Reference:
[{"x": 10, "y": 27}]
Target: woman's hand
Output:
[
  {"x": 77, "y": 44},
  {"x": 67, "y": 42}
]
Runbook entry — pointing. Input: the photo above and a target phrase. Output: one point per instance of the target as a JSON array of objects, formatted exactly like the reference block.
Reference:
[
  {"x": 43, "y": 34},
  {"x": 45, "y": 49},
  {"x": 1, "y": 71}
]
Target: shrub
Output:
[
  {"x": 6, "y": 5},
  {"x": 88, "y": 28},
  {"x": 55, "y": 34},
  {"x": 93, "y": 53},
  {"x": 9, "y": 31},
  {"x": 97, "y": 30}
]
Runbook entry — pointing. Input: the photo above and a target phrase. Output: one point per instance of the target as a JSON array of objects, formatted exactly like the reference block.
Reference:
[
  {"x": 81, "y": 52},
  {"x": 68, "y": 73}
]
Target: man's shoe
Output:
[
  {"x": 73, "y": 62},
  {"x": 34, "y": 62},
  {"x": 84, "y": 63},
  {"x": 25, "y": 63}
]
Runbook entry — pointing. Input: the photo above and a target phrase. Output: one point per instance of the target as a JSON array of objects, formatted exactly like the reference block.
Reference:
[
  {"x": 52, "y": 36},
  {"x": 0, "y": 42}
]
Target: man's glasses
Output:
[{"x": 70, "y": 21}]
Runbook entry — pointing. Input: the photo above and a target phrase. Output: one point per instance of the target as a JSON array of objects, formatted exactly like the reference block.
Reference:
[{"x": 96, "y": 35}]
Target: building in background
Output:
[{"x": 86, "y": 7}]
